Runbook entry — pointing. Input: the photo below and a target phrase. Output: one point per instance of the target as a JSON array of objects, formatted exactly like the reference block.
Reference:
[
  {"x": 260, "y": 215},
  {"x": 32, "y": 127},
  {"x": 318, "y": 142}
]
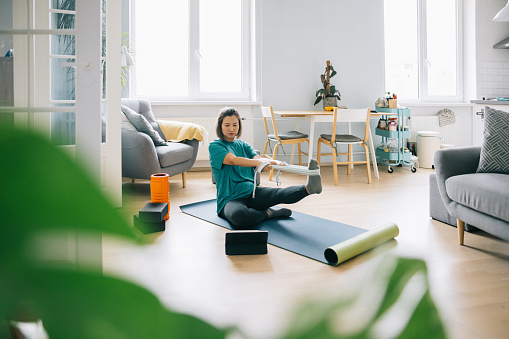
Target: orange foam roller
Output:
[{"x": 160, "y": 190}]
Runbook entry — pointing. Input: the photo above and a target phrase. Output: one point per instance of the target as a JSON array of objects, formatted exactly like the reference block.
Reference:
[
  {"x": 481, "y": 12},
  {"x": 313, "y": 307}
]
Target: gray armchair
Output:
[
  {"x": 141, "y": 158},
  {"x": 478, "y": 199}
]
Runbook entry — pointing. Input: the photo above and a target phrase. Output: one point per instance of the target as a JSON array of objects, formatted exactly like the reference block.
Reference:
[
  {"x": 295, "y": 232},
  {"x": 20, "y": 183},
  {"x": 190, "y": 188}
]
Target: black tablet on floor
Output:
[{"x": 246, "y": 242}]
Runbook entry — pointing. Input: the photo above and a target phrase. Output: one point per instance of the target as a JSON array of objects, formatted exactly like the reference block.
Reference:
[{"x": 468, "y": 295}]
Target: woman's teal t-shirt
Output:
[{"x": 232, "y": 182}]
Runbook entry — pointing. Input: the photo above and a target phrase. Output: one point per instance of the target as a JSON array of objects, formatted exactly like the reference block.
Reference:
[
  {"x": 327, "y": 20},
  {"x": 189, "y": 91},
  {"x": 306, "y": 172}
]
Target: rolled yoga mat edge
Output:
[{"x": 352, "y": 247}]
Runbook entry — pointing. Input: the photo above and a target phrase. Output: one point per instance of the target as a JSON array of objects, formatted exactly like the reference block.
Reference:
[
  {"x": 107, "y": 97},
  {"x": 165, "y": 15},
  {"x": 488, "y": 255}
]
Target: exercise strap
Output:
[{"x": 286, "y": 168}]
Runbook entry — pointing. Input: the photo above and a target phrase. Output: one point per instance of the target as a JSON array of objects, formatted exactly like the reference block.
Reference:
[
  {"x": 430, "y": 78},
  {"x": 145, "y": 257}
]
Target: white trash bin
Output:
[{"x": 427, "y": 143}]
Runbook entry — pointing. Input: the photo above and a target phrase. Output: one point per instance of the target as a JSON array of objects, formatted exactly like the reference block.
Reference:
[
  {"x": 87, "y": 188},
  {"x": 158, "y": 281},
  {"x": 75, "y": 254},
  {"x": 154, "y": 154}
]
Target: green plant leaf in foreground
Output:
[
  {"x": 325, "y": 319},
  {"x": 44, "y": 192},
  {"x": 88, "y": 305}
]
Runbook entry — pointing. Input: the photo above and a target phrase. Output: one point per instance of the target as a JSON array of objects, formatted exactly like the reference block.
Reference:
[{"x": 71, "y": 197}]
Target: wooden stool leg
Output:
[
  {"x": 368, "y": 167},
  {"x": 265, "y": 149},
  {"x": 349, "y": 165},
  {"x": 461, "y": 230},
  {"x": 318, "y": 151},
  {"x": 274, "y": 158},
  {"x": 335, "y": 165},
  {"x": 300, "y": 155}
]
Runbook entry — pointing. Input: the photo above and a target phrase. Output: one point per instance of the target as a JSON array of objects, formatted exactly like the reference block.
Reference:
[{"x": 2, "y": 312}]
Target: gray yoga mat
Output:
[{"x": 327, "y": 241}]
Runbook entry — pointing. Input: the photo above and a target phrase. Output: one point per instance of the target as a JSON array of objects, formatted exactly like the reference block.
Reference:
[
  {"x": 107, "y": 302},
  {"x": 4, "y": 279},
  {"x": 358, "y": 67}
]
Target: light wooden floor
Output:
[{"x": 186, "y": 267}]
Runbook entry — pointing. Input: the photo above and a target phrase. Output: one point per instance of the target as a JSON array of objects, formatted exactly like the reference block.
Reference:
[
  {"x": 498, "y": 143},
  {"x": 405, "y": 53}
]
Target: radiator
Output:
[{"x": 448, "y": 133}]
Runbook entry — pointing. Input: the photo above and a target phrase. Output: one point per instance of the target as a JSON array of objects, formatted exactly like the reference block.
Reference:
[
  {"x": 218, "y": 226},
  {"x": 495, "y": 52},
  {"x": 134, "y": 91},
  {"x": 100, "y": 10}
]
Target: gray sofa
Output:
[
  {"x": 141, "y": 158},
  {"x": 479, "y": 199},
  {"x": 437, "y": 209}
]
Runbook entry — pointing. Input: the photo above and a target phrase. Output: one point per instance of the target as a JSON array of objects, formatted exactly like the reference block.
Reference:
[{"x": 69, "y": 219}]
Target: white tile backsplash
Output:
[
  {"x": 493, "y": 71},
  {"x": 492, "y": 79}
]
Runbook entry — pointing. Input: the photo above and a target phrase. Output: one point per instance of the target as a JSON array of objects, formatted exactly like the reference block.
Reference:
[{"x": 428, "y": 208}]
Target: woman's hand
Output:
[
  {"x": 268, "y": 167},
  {"x": 270, "y": 162}
]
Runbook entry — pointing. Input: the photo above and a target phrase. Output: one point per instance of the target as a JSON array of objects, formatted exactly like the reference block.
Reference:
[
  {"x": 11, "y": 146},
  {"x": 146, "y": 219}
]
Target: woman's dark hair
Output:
[{"x": 227, "y": 112}]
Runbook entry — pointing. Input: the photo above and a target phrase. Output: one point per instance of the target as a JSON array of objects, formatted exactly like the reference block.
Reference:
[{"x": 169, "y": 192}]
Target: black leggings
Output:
[{"x": 246, "y": 213}]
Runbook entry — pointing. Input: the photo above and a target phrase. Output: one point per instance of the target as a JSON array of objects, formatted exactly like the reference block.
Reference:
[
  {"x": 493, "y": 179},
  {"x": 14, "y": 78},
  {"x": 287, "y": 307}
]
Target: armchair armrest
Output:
[
  {"x": 139, "y": 157},
  {"x": 454, "y": 161},
  {"x": 195, "y": 144}
]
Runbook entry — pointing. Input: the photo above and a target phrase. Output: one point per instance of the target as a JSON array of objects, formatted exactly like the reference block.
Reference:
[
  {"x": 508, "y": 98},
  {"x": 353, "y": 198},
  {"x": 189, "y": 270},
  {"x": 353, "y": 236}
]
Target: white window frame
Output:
[
  {"x": 246, "y": 94},
  {"x": 423, "y": 95}
]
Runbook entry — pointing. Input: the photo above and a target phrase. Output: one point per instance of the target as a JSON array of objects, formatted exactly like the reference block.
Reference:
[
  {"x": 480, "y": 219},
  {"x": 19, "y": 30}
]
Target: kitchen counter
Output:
[
  {"x": 489, "y": 102},
  {"x": 478, "y": 125}
]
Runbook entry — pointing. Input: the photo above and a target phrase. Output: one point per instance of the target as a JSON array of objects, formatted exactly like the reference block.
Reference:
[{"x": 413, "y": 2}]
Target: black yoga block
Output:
[
  {"x": 149, "y": 227},
  {"x": 246, "y": 242},
  {"x": 154, "y": 212}
]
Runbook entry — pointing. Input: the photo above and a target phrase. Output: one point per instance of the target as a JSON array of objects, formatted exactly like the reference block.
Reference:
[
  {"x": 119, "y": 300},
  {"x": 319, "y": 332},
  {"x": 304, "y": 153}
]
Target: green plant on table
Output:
[{"x": 328, "y": 90}]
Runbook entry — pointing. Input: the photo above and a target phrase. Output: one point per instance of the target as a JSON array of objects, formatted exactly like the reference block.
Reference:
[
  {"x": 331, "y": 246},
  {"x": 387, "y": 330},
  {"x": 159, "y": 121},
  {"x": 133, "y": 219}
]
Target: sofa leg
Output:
[
  {"x": 184, "y": 174},
  {"x": 461, "y": 230}
]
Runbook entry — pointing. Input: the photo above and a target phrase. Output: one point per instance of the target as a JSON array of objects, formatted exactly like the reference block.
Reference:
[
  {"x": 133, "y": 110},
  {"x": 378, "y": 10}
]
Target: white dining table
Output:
[{"x": 324, "y": 116}]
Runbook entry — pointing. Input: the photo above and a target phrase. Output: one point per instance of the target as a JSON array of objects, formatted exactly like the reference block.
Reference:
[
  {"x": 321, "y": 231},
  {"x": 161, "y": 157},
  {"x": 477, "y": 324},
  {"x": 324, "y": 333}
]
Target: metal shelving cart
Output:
[{"x": 400, "y": 157}]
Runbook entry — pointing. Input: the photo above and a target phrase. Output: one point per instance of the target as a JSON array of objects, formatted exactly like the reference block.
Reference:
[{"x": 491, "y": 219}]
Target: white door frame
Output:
[{"x": 32, "y": 97}]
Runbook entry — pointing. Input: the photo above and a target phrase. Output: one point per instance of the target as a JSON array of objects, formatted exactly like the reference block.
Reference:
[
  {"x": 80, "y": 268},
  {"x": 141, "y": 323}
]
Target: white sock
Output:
[{"x": 314, "y": 183}]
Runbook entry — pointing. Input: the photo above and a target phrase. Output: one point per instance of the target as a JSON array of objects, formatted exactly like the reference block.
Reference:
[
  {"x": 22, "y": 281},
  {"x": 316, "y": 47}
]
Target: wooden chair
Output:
[
  {"x": 281, "y": 138},
  {"x": 334, "y": 140}
]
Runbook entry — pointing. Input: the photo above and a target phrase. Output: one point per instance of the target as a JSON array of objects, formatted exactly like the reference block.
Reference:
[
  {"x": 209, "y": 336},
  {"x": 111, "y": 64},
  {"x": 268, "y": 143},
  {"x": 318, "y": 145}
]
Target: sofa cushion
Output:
[
  {"x": 495, "y": 147},
  {"x": 142, "y": 125},
  {"x": 125, "y": 123},
  {"x": 174, "y": 153},
  {"x": 484, "y": 192}
]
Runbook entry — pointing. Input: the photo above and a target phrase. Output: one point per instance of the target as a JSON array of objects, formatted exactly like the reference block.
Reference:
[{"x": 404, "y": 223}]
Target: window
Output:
[
  {"x": 191, "y": 49},
  {"x": 422, "y": 51}
]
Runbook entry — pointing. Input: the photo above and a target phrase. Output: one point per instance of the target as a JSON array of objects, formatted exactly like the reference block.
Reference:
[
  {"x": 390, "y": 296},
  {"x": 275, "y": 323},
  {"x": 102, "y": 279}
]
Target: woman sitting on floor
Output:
[{"x": 233, "y": 163}]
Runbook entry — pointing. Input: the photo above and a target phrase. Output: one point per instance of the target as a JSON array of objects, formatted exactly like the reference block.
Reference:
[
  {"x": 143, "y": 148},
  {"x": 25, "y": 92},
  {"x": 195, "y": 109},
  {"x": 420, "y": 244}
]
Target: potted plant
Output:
[{"x": 328, "y": 93}]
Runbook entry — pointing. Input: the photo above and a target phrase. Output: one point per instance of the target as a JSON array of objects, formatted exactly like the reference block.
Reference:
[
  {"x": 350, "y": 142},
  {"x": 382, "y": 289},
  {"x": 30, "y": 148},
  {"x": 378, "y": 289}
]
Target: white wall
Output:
[
  {"x": 299, "y": 36},
  {"x": 489, "y": 32},
  {"x": 492, "y": 64}
]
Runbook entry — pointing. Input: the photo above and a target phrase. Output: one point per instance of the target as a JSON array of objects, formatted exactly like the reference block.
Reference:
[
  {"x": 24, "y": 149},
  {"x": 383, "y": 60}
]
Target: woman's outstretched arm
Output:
[{"x": 231, "y": 159}]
